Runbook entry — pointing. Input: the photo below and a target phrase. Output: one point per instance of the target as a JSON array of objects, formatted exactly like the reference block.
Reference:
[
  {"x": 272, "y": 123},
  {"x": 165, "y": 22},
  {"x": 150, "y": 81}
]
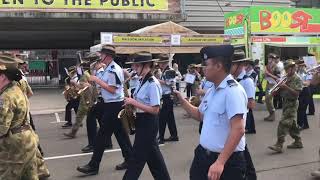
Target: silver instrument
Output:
[
  {"x": 276, "y": 87},
  {"x": 314, "y": 69}
]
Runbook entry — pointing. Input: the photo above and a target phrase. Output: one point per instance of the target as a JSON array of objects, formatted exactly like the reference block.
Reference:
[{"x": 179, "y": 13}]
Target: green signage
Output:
[
  {"x": 37, "y": 65},
  {"x": 274, "y": 20}
]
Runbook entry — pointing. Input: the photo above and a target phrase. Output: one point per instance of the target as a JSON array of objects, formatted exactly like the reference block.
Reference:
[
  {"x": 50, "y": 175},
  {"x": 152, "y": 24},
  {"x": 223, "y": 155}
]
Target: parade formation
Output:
[{"x": 132, "y": 85}]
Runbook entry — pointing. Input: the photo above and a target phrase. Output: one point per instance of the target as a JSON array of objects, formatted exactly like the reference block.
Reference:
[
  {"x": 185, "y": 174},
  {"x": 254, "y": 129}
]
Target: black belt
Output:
[
  {"x": 166, "y": 96},
  {"x": 100, "y": 100},
  {"x": 216, "y": 154}
]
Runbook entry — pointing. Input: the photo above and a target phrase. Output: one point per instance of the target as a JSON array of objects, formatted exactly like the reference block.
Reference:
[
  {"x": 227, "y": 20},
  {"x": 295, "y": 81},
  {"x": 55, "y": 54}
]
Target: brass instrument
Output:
[
  {"x": 70, "y": 91},
  {"x": 276, "y": 87},
  {"x": 127, "y": 115},
  {"x": 195, "y": 100},
  {"x": 314, "y": 69},
  {"x": 83, "y": 90}
]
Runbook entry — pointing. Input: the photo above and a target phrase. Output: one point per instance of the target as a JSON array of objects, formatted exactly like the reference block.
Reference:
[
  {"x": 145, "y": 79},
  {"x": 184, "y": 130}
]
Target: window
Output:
[{"x": 308, "y": 3}]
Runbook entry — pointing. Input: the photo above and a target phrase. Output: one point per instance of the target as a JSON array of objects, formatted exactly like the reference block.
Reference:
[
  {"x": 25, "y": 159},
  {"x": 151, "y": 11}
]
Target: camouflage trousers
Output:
[
  {"x": 42, "y": 169},
  {"x": 81, "y": 114},
  {"x": 269, "y": 101},
  {"x": 18, "y": 157},
  {"x": 288, "y": 123}
]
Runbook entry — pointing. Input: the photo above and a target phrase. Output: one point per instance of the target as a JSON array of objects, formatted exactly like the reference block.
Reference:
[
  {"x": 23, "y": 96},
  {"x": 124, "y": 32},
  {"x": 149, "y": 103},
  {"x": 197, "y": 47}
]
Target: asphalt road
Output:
[{"x": 64, "y": 155}]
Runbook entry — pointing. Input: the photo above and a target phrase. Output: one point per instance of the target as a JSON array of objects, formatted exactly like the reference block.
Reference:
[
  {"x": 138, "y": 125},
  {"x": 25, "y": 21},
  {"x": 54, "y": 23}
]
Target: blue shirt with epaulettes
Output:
[
  {"x": 218, "y": 107},
  {"x": 113, "y": 76},
  {"x": 148, "y": 92}
]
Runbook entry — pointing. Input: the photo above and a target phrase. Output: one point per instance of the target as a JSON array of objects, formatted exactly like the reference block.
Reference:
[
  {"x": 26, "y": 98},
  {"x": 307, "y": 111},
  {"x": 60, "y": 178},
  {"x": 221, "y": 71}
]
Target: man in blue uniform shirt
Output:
[
  {"x": 238, "y": 71},
  {"x": 223, "y": 112},
  {"x": 111, "y": 83}
]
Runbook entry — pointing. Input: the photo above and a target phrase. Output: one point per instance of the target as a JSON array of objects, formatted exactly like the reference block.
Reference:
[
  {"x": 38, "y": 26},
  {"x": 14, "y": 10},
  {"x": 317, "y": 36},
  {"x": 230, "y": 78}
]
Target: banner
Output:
[
  {"x": 284, "y": 20},
  {"x": 146, "y": 5},
  {"x": 235, "y": 22},
  {"x": 137, "y": 39}
]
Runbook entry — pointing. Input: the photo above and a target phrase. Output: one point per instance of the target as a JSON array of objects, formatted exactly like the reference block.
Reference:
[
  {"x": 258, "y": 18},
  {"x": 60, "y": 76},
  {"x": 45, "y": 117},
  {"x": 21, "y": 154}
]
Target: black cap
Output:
[{"x": 217, "y": 51}]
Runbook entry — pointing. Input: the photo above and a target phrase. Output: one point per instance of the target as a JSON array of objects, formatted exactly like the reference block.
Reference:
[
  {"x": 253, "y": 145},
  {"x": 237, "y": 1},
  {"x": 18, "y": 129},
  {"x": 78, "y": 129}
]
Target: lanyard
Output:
[{"x": 143, "y": 82}]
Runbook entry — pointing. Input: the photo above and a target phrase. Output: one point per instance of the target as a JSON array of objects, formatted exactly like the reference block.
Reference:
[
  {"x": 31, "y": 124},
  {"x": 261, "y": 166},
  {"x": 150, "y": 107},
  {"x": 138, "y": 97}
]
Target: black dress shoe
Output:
[
  {"x": 161, "y": 141},
  {"x": 88, "y": 170},
  {"x": 87, "y": 149},
  {"x": 171, "y": 138},
  {"x": 108, "y": 147},
  {"x": 122, "y": 166},
  {"x": 67, "y": 125}
]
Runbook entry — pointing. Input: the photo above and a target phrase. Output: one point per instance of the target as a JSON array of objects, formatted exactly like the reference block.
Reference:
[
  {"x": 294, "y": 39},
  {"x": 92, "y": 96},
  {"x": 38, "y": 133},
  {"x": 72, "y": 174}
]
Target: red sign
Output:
[
  {"x": 300, "y": 19},
  {"x": 235, "y": 20},
  {"x": 269, "y": 39}
]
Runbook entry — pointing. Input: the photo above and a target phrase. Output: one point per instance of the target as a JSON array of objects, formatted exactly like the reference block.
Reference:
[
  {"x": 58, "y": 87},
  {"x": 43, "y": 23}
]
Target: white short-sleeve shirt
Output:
[
  {"x": 218, "y": 107},
  {"x": 248, "y": 85}
]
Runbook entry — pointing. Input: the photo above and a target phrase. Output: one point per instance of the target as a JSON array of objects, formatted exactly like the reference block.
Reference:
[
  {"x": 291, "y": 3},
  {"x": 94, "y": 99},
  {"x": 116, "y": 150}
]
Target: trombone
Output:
[
  {"x": 314, "y": 69},
  {"x": 276, "y": 87}
]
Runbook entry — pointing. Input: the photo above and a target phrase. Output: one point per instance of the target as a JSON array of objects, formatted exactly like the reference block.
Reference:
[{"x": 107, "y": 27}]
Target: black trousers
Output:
[
  {"x": 234, "y": 169},
  {"x": 94, "y": 114},
  {"x": 311, "y": 102},
  {"x": 111, "y": 124},
  {"x": 250, "y": 125},
  {"x": 250, "y": 170},
  {"x": 260, "y": 93},
  {"x": 167, "y": 117},
  {"x": 189, "y": 90},
  {"x": 34, "y": 128},
  {"x": 72, "y": 104},
  {"x": 304, "y": 99},
  {"x": 146, "y": 150}
]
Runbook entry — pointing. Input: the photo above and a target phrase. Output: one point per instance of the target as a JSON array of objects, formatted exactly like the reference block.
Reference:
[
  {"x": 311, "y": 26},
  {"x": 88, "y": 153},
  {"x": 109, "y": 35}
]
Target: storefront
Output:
[{"x": 289, "y": 32}]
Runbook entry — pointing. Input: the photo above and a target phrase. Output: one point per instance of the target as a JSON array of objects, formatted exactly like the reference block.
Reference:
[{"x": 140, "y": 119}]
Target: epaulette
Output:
[
  {"x": 245, "y": 77},
  {"x": 231, "y": 83},
  {"x": 151, "y": 79}
]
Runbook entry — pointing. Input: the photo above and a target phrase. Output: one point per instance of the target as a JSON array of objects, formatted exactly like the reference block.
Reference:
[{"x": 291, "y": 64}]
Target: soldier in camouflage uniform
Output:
[
  {"x": 42, "y": 169},
  {"x": 87, "y": 95},
  {"x": 288, "y": 123},
  {"x": 18, "y": 143}
]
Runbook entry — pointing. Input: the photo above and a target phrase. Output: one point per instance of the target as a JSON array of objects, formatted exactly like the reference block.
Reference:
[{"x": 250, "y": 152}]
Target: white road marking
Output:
[
  {"x": 57, "y": 118},
  {"x": 82, "y": 154}
]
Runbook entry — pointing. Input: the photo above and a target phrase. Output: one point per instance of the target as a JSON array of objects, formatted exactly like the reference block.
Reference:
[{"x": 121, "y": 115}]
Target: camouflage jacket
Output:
[
  {"x": 295, "y": 83},
  {"x": 19, "y": 147}
]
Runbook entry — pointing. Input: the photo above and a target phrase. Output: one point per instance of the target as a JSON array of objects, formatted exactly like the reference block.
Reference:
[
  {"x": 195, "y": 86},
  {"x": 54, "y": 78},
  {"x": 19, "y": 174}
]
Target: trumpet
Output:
[
  {"x": 67, "y": 88},
  {"x": 314, "y": 69},
  {"x": 82, "y": 90},
  {"x": 276, "y": 87}
]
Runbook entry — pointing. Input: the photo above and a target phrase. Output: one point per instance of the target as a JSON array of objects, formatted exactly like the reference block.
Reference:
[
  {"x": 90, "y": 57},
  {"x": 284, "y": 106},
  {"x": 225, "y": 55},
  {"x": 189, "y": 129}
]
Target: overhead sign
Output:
[
  {"x": 134, "y": 39},
  {"x": 146, "y": 5},
  {"x": 286, "y": 40},
  {"x": 267, "y": 20},
  {"x": 284, "y": 20}
]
